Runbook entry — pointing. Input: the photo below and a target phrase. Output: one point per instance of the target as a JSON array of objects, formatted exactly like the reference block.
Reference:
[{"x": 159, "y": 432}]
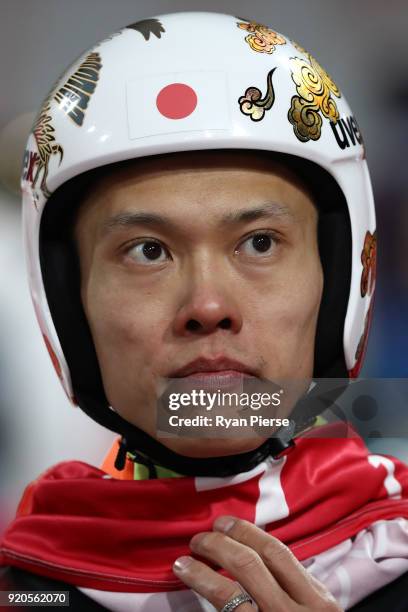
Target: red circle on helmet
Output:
[{"x": 176, "y": 101}]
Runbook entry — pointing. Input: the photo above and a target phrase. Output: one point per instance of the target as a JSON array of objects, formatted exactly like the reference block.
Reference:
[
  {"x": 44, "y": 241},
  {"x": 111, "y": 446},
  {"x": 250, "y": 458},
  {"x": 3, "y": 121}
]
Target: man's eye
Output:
[
  {"x": 261, "y": 244},
  {"x": 148, "y": 252}
]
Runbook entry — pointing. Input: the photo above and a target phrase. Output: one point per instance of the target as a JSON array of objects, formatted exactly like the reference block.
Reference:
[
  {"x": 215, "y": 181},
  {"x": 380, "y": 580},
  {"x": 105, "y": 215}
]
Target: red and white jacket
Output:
[{"x": 341, "y": 510}]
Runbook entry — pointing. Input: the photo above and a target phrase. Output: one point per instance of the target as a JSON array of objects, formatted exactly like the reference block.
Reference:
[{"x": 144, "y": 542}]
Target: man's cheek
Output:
[{"x": 289, "y": 326}]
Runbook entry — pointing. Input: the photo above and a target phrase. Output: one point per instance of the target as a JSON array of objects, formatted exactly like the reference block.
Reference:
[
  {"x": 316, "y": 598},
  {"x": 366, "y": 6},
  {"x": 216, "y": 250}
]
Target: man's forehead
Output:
[
  {"x": 234, "y": 187},
  {"x": 195, "y": 163}
]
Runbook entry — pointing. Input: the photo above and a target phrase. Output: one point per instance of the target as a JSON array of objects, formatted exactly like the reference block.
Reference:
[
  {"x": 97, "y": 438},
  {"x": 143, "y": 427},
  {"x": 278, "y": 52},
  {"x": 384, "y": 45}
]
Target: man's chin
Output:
[{"x": 211, "y": 447}]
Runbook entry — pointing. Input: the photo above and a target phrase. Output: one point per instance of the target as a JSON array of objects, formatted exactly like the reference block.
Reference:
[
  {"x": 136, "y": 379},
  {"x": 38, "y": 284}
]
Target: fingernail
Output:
[
  {"x": 197, "y": 539},
  {"x": 182, "y": 563},
  {"x": 224, "y": 523}
]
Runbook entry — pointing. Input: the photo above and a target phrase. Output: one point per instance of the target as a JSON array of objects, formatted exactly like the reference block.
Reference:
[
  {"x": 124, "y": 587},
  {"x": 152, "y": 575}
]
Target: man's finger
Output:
[
  {"x": 217, "y": 589},
  {"x": 278, "y": 558},
  {"x": 246, "y": 566}
]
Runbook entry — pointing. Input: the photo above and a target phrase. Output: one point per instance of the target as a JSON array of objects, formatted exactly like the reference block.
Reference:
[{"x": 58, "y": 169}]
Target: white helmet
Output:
[{"x": 188, "y": 82}]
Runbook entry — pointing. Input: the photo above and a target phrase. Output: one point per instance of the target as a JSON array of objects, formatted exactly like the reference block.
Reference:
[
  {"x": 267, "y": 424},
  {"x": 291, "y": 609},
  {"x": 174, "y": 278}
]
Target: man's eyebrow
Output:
[
  {"x": 130, "y": 219},
  {"x": 269, "y": 209}
]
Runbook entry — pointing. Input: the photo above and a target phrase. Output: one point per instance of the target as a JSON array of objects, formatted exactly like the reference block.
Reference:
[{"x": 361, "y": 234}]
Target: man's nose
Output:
[{"x": 207, "y": 308}]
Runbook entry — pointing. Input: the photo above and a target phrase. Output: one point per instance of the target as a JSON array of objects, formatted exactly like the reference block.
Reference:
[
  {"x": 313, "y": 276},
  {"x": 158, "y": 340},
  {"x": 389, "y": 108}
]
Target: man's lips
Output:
[{"x": 203, "y": 368}]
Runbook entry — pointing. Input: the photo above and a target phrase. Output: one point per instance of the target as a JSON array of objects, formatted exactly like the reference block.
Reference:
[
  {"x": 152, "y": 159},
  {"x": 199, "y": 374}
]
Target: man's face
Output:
[{"x": 198, "y": 256}]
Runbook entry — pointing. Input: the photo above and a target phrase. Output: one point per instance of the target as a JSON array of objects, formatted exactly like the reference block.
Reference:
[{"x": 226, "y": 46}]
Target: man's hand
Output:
[{"x": 265, "y": 568}]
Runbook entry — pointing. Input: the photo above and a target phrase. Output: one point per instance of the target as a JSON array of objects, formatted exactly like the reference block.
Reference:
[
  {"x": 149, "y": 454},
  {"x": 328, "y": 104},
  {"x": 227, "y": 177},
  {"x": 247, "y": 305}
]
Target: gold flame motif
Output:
[
  {"x": 252, "y": 103},
  {"x": 261, "y": 38},
  {"x": 43, "y": 132},
  {"x": 315, "y": 89},
  {"x": 369, "y": 260}
]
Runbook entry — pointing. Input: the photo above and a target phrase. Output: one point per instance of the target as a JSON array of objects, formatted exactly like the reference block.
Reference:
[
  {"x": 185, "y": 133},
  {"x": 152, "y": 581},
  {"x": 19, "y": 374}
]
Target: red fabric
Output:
[{"x": 121, "y": 535}]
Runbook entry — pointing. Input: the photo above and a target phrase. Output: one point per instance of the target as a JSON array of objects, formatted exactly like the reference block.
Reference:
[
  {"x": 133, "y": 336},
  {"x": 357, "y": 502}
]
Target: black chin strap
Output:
[
  {"x": 150, "y": 451},
  {"x": 228, "y": 465},
  {"x": 277, "y": 446}
]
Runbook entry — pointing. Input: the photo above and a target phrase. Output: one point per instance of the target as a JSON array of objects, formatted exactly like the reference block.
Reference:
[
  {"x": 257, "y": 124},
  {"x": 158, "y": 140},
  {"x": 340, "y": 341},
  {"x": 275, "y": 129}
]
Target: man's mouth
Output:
[
  {"x": 219, "y": 372},
  {"x": 203, "y": 366}
]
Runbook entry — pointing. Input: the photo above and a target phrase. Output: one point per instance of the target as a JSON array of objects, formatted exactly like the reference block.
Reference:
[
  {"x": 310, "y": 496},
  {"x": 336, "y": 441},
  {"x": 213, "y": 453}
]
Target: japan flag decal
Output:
[{"x": 177, "y": 102}]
